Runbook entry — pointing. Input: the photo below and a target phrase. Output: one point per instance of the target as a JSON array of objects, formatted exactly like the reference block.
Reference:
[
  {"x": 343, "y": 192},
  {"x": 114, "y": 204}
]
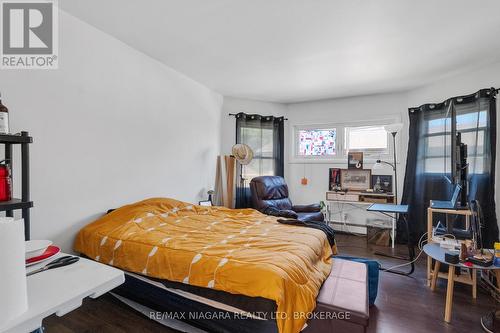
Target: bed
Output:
[{"x": 265, "y": 274}]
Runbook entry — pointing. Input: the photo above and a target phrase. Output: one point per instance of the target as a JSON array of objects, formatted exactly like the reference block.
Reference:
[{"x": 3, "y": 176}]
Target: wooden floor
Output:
[{"x": 404, "y": 304}]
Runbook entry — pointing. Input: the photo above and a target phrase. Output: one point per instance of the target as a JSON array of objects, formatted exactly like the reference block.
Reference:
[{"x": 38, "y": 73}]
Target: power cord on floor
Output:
[{"x": 421, "y": 243}]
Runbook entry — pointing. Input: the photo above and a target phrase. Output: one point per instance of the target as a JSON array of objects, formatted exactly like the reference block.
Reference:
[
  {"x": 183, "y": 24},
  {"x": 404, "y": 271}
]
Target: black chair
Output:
[{"x": 270, "y": 196}]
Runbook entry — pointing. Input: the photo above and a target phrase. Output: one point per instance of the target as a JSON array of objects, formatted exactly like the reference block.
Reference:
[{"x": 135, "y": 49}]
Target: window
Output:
[
  {"x": 317, "y": 142},
  {"x": 471, "y": 125},
  {"x": 332, "y": 142},
  {"x": 264, "y": 135},
  {"x": 438, "y": 146},
  {"x": 261, "y": 142},
  {"x": 368, "y": 139}
]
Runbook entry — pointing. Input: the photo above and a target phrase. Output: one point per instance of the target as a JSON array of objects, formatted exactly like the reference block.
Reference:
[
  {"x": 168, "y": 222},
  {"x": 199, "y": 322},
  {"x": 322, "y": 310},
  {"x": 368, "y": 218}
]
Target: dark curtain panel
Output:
[
  {"x": 429, "y": 174},
  {"x": 265, "y": 135}
]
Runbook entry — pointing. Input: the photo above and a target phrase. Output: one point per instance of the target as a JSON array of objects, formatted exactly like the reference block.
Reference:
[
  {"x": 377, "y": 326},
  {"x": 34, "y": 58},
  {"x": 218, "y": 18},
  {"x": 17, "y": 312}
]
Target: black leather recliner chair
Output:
[{"x": 270, "y": 196}]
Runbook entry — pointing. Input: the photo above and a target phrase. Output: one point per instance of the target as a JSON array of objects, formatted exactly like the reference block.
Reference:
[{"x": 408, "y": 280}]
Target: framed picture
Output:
[
  {"x": 355, "y": 179},
  {"x": 205, "y": 203},
  {"x": 382, "y": 183},
  {"x": 355, "y": 160},
  {"x": 334, "y": 179}
]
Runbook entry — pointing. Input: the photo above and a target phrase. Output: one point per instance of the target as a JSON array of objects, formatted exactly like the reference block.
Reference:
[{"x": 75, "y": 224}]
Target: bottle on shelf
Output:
[
  {"x": 4, "y": 118},
  {"x": 5, "y": 181}
]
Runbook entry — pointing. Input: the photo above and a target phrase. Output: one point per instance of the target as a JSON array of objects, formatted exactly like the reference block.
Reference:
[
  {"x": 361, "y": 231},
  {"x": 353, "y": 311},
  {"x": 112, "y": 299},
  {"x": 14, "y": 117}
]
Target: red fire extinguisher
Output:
[{"x": 5, "y": 181}]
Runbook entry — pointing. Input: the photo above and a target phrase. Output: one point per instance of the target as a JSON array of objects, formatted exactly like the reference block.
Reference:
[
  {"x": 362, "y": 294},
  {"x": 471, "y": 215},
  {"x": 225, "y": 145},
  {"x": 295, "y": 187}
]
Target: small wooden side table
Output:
[
  {"x": 435, "y": 252},
  {"x": 430, "y": 214},
  {"x": 62, "y": 290}
]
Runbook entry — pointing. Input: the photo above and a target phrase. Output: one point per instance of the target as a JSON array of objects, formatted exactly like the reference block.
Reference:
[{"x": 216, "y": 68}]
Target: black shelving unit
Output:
[{"x": 24, "y": 204}]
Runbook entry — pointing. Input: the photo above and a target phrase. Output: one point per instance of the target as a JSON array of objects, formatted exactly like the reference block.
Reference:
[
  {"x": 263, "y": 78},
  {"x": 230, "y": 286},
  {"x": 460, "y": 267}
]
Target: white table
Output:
[
  {"x": 61, "y": 290},
  {"x": 358, "y": 205}
]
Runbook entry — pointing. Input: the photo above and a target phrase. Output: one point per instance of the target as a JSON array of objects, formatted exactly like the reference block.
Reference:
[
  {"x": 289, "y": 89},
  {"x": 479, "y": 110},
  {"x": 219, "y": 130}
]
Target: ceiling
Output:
[{"x": 297, "y": 50}]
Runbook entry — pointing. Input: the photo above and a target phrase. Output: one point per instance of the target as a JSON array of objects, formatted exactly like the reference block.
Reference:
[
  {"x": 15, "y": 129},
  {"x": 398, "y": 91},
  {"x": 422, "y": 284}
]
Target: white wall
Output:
[
  {"x": 371, "y": 107},
  {"x": 354, "y": 109},
  {"x": 111, "y": 126},
  {"x": 236, "y": 105},
  {"x": 363, "y": 108},
  {"x": 456, "y": 85},
  {"x": 318, "y": 112}
]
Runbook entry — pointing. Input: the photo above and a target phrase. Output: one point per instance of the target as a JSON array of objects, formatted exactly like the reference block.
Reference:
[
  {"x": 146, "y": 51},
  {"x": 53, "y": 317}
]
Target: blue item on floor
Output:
[{"x": 373, "y": 267}]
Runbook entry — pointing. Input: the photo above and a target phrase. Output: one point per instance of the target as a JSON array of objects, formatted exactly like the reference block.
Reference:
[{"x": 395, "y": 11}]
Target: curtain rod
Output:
[{"x": 235, "y": 114}]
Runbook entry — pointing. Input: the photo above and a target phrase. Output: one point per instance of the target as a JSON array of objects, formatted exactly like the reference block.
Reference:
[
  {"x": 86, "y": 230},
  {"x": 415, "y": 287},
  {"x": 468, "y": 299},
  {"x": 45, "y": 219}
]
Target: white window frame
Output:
[
  {"x": 484, "y": 129},
  {"x": 340, "y": 144},
  {"x": 369, "y": 152}
]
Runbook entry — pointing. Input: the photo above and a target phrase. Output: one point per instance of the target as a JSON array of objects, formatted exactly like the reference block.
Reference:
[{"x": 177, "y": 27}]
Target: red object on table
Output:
[
  {"x": 51, "y": 250},
  {"x": 5, "y": 182}
]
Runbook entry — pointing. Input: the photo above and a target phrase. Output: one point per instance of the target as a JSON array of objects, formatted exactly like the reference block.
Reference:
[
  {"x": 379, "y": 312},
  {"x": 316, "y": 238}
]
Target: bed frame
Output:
[{"x": 343, "y": 298}]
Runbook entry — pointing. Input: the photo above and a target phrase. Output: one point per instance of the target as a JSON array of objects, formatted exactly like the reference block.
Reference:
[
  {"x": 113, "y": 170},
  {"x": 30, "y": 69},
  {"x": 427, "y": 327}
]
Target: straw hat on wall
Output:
[{"x": 242, "y": 153}]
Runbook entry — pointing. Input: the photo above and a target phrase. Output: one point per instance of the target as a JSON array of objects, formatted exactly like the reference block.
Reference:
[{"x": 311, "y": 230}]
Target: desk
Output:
[
  {"x": 62, "y": 290},
  {"x": 398, "y": 210},
  {"x": 435, "y": 252},
  {"x": 356, "y": 201}
]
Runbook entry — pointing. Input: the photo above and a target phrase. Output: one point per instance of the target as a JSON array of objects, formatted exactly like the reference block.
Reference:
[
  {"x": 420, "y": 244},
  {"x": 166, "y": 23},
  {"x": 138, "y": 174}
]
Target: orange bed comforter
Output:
[{"x": 239, "y": 251}]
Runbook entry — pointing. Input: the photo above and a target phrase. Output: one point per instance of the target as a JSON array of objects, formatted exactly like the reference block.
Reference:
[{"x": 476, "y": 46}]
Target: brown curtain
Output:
[{"x": 224, "y": 181}]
